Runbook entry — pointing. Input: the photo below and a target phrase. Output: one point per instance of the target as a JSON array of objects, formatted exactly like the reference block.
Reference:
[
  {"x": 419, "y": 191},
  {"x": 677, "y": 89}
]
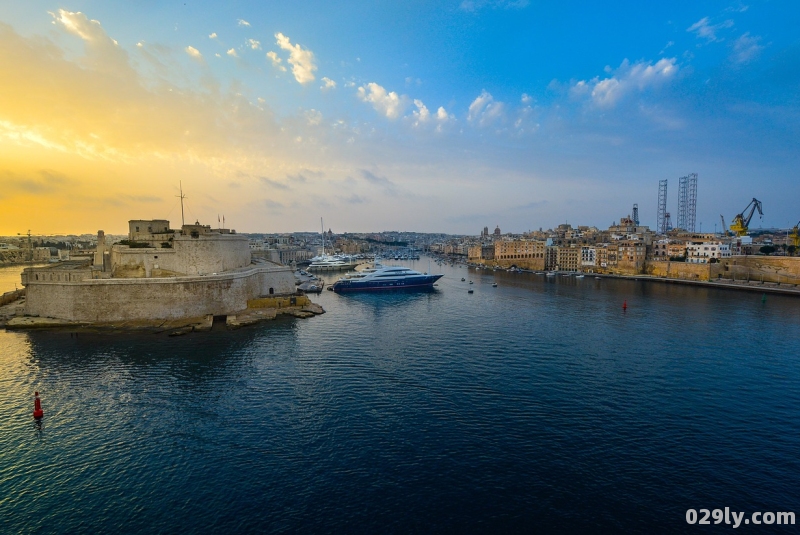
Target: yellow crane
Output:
[
  {"x": 741, "y": 223},
  {"x": 795, "y": 235}
]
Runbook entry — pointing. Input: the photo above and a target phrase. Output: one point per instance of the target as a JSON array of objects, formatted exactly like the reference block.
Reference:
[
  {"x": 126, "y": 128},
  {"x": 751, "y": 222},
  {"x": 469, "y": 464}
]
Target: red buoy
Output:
[
  {"x": 37, "y": 406},
  {"x": 625, "y": 305}
]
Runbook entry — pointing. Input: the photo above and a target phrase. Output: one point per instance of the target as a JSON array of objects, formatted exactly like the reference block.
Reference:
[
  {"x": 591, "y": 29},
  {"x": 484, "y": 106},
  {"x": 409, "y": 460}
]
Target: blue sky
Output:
[{"x": 429, "y": 116}]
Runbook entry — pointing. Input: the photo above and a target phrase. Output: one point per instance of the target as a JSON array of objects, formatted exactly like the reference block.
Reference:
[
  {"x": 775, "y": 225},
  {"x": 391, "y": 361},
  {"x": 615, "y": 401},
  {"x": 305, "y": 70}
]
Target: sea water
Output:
[{"x": 536, "y": 406}]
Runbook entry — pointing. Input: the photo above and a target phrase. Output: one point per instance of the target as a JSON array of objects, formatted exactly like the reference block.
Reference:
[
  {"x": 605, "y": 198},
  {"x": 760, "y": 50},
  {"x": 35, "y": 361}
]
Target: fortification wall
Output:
[
  {"x": 782, "y": 269},
  {"x": 206, "y": 254},
  {"x": 535, "y": 264},
  {"x": 107, "y": 300},
  {"x": 683, "y": 270},
  {"x": 210, "y": 253}
]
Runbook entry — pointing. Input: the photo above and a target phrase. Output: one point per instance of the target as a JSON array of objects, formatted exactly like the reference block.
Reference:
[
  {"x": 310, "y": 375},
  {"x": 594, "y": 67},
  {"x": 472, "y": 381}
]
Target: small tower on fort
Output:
[{"x": 100, "y": 252}]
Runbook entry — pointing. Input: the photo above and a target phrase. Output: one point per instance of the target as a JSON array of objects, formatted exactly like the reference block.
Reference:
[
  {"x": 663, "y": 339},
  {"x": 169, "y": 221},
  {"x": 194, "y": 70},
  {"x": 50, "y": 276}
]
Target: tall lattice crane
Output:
[{"x": 741, "y": 223}]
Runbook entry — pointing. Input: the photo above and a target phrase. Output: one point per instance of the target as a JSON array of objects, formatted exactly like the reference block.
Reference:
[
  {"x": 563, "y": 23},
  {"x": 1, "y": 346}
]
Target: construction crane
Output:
[
  {"x": 740, "y": 223},
  {"x": 795, "y": 235},
  {"x": 724, "y": 226},
  {"x": 30, "y": 245}
]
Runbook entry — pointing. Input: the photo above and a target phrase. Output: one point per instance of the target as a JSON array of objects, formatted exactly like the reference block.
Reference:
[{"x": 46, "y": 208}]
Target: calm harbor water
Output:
[{"x": 536, "y": 406}]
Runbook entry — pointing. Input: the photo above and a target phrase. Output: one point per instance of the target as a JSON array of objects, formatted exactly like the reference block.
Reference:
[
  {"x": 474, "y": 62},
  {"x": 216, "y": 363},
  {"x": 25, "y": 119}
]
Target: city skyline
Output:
[{"x": 428, "y": 117}]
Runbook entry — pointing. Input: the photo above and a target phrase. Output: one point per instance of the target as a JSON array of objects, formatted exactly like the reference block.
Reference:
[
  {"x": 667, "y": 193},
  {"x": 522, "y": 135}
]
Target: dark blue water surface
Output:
[{"x": 536, "y": 406}]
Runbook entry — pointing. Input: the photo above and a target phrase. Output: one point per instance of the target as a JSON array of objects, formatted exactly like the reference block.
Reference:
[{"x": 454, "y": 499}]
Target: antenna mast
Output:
[{"x": 182, "y": 196}]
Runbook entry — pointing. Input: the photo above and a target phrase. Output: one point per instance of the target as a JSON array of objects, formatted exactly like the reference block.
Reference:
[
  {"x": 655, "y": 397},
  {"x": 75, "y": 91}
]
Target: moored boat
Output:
[{"x": 385, "y": 278}]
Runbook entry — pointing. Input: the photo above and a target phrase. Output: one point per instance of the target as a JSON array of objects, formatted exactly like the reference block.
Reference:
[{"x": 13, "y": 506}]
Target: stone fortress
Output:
[{"x": 158, "y": 273}]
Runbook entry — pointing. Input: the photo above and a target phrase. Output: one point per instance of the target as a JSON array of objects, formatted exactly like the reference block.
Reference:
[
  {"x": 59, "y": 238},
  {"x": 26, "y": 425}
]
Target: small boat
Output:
[
  {"x": 494, "y": 285},
  {"x": 550, "y": 274},
  {"x": 578, "y": 276},
  {"x": 463, "y": 279},
  {"x": 598, "y": 278},
  {"x": 470, "y": 282},
  {"x": 470, "y": 291}
]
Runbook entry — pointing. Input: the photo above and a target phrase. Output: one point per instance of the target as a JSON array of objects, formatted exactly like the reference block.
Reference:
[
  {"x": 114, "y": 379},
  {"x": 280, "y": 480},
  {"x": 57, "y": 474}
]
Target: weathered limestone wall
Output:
[
  {"x": 54, "y": 274},
  {"x": 209, "y": 253},
  {"x": 106, "y": 300},
  {"x": 683, "y": 270},
  {"x": 782, "y": 269},
  {"x": 535, "y": 264}
]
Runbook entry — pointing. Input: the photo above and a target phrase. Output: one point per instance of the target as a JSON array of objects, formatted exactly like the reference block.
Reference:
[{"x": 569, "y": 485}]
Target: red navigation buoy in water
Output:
[
  {"x": 625, "y": 305},
  {"x": 37, "y": 406}
]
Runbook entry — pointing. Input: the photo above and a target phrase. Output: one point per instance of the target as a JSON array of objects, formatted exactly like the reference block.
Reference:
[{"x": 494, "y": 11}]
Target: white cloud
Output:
[
  {"x": 628, "y": 77},
  {"x": 313, "y": 117},
  {"x": 232, "y": 52},
  {"x": 525, "y": 99},
  {"x": 703, "y": 30},
  {"x": 212, "y": 35},
  {"x": 255, "y": 45},
  {"x": 421, "y": 115},
  {"x": 327, "y": 84},
  {"x": 243, "y": 22},
  {"x": 101, "y": 49},
  {"x": 194, "y": 53},
  {"x": 389, "y": 104},
  {"x": 78, "y": 24},
  {"x": 276, "y": 61},
  {"x": 524, "y": 121},
  {"x": 443, "y": 118},
  {"x": 301, "y": 59},
  {"x": 746, "y": 48},
  {"x": 484, "y": 110}
]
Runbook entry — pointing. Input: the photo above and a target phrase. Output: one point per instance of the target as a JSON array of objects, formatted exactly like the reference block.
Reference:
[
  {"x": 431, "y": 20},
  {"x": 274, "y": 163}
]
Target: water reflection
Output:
[{"x": 191, "y": 359}]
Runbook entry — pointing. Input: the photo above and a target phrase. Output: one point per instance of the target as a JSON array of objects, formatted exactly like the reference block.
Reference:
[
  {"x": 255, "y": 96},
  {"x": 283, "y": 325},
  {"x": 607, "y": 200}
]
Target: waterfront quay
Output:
[
  {"x": 744, "y": 285},
  {"x": 631, "y": 249}
]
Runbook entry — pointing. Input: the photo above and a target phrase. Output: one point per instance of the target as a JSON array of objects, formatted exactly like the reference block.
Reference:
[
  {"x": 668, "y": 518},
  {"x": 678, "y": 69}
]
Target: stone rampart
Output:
[
  {"x": 683, "y": 270},
  {"x": 204, "y": 255},
  {"x": 107, "y": 300},
  {"x": 781, "y": 269}
]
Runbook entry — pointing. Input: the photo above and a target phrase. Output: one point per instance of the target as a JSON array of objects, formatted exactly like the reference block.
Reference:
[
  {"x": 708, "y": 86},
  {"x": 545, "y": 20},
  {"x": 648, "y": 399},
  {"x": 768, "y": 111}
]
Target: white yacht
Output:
[{"x": 385, "y": 278}]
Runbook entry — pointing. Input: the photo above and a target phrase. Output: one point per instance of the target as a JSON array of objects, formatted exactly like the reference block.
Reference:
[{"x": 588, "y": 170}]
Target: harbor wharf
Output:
[{"x": 728, "y": 284}]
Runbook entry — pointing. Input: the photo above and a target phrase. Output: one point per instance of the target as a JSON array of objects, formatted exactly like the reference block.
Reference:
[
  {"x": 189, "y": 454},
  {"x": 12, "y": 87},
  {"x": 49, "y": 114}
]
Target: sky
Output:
[{"x": 428, "y": 116}]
